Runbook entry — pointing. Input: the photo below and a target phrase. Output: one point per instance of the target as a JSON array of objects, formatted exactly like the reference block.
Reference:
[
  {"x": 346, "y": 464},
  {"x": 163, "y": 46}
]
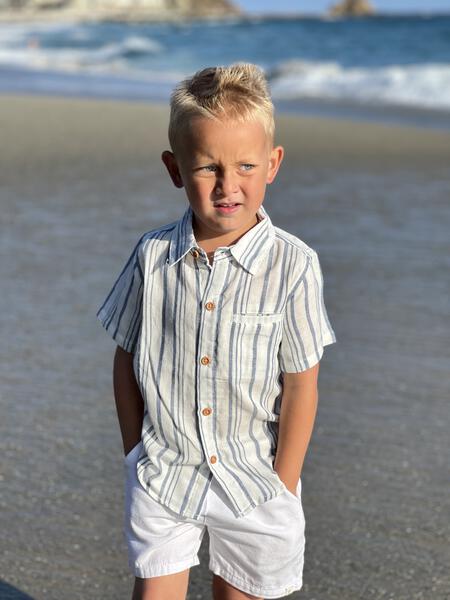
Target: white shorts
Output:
[{"x": 260, "y": 553}]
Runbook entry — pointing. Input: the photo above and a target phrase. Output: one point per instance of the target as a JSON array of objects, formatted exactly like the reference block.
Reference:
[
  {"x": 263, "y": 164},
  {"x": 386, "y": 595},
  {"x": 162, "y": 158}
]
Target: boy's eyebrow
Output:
[{"x": 202, "y": 155}]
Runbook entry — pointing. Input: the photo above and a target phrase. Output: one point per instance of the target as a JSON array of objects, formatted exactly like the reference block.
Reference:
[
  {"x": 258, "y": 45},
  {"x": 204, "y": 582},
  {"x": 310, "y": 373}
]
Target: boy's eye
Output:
[{"x": 213, "y": 168}]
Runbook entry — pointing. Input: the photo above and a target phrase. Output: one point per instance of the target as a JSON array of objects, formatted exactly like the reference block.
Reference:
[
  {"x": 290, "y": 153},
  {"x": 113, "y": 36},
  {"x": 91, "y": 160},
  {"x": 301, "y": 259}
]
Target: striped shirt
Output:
[{"x": 210, "y": 344}]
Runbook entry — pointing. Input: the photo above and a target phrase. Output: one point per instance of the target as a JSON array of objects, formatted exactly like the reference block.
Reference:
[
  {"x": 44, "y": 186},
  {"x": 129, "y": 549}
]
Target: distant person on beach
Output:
[{"x": 220, "y": 324}]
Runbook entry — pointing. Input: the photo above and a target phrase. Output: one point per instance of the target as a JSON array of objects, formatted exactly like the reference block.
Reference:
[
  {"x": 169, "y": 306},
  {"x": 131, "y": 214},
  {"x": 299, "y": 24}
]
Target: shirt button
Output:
[
  {"x": 213, "y": 459},
  {"x": 210, "y": 306},
  {"x": 205, "y": 360},
  {"x": 206, "y": 411},
  {"x": 195, "y": 253}
]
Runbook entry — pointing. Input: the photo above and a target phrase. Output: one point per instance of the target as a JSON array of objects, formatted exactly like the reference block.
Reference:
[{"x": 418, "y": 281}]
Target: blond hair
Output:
[{"x": 239, "y": 92}]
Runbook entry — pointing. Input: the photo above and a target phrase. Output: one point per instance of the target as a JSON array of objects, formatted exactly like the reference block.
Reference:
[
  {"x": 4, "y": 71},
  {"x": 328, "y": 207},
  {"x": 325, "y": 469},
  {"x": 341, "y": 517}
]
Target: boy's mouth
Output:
[{"x": 227, "y": 208}]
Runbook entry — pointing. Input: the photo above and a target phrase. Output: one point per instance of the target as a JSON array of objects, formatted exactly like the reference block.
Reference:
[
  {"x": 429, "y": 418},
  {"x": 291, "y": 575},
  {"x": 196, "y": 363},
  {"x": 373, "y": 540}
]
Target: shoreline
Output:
[{"x": 97, "y": 89}]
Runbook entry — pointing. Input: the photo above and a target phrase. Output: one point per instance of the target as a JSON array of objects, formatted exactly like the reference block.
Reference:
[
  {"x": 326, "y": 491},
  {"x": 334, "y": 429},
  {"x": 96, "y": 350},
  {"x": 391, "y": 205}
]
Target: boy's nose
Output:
[{"x": 226, "y": 186}]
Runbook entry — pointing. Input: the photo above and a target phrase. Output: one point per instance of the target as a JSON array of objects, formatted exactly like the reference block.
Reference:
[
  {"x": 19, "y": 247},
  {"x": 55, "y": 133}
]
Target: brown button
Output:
[
  {"x": 206, "y": 411},
  {"x": 210, "y": 306},
  {"x": 195, "y": 253},
  {"x": 213, "y": 459},
  {"x": 205, "y": 360}
]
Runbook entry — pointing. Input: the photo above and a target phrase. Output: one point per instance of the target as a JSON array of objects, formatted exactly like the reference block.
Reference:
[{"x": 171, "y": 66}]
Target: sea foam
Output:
[{"x": 420, "y": 85}]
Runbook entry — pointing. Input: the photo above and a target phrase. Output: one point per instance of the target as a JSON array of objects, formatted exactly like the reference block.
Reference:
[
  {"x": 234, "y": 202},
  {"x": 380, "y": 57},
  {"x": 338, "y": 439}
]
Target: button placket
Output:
[{"x": 212, "y": 288}]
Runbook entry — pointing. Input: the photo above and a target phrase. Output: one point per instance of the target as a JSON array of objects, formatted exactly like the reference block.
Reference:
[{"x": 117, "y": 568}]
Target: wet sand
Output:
[{"x": 80, "y": 181}]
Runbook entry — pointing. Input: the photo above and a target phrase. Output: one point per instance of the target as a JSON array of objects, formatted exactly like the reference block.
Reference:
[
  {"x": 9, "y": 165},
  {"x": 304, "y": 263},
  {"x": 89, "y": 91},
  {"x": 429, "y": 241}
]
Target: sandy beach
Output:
[{"x": 80, "y": 181}]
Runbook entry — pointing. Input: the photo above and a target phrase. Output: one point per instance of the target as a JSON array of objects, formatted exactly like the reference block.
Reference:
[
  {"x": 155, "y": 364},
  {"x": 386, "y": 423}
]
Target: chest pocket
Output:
[{"x": 255, "y": 338}]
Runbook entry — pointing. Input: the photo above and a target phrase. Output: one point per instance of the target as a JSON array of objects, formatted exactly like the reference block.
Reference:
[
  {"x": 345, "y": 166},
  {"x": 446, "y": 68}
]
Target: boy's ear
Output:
[
  {"x": 169, "y": 160},
  {"x": 276, "y": 156}
]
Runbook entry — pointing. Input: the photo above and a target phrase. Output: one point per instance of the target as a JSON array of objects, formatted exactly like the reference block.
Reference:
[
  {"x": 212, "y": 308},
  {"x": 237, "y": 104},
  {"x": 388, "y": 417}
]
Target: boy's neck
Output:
[{"x": 209, "y": 245}]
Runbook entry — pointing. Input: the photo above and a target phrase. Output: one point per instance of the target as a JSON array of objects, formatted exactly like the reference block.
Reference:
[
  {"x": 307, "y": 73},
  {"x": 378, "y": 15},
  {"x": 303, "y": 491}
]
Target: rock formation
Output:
[
  {"x": 352, "y": 8},
  {"x": 118, "y": 10}
]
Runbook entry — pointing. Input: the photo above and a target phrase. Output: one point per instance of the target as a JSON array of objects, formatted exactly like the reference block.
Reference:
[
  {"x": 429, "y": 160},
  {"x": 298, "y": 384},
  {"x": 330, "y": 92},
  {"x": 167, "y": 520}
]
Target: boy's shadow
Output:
[{"x": 9, "y": 592}]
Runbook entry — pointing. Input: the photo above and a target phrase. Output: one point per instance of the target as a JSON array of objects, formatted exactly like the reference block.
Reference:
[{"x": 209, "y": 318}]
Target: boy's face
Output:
[{"x": 221, "y": 163}]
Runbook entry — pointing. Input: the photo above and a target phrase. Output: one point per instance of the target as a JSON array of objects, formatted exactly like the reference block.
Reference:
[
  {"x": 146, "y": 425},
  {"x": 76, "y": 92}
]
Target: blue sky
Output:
[{"x": 315, "y": 6}]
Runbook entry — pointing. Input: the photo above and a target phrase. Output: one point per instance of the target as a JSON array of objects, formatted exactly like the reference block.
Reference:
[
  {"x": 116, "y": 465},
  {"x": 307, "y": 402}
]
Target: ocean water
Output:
[{"x": 389, "y": 68}]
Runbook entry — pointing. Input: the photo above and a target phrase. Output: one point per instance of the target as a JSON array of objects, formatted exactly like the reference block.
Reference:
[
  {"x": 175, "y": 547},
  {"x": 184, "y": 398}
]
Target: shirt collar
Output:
[{"x": 248, "y": 250}]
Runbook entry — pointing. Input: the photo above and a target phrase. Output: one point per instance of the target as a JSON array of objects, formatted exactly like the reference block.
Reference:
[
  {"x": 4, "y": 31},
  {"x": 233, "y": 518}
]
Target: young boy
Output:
[{"x": 220, "y": 323}]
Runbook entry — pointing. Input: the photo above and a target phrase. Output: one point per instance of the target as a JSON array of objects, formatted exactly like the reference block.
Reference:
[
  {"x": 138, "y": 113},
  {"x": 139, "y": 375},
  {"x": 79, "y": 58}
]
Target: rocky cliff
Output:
[
  {"x": 352, "y": 8},
  {"x": 120, "y": 10}
]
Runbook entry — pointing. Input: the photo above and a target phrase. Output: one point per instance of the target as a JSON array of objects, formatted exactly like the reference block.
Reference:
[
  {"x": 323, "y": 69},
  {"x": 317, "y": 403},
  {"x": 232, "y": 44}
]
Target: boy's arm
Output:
[
  {"x": 297, "y": 415},
  {"x": 129, "y": 402}
]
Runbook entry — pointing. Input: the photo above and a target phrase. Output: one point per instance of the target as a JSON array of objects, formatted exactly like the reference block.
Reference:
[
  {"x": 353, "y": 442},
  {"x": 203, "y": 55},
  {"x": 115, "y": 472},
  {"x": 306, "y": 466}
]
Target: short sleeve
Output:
[
  {"x": 306, "y": 328},
  {"x": 121, "y": 312}
]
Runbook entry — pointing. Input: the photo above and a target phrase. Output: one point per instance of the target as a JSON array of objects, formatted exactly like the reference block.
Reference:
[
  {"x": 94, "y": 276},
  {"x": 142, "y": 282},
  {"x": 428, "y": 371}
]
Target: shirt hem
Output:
[
  {"x": 118, "y": 337},
  {"x": 310, "y": 360}
]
